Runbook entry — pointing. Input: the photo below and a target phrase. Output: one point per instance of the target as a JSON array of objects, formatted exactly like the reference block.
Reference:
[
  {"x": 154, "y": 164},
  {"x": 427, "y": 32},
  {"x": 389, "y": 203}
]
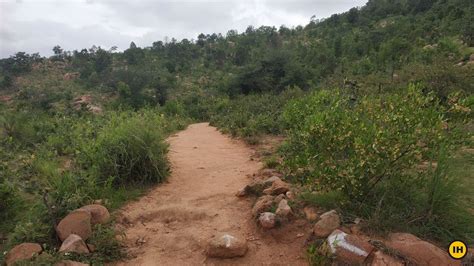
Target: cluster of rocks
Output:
[
  {"x": 85, "y": 102},
  {"x": 73, "y": 230},
  {"x": 346, "y": 242},
  {"x": 274, "y": 194},
  {"x": 351, "y": 247}
]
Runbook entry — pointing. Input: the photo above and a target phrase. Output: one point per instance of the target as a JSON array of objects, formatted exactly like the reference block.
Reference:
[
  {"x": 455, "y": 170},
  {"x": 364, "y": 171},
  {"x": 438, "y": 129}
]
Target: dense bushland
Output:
[{"x": 384, "y": 157}]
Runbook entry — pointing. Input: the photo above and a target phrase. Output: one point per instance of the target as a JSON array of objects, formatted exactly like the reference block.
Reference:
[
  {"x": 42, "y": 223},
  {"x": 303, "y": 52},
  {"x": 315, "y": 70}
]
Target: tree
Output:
[
  {"x": 58, "y": 53},
  {"x": 103, "y": 60}
]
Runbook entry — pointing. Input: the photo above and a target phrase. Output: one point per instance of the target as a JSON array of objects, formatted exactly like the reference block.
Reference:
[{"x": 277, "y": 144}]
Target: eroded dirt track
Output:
[{"x": 172, "y": 224}]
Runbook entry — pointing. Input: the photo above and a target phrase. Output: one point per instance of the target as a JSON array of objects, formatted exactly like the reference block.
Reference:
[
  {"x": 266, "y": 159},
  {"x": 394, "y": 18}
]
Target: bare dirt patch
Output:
[{"x": 173, "y": 223}]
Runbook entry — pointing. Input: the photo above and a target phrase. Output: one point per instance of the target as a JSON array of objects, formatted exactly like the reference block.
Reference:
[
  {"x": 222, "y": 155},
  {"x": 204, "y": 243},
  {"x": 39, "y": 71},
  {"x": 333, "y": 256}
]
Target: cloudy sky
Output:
[{"x": 38, "y": 25}]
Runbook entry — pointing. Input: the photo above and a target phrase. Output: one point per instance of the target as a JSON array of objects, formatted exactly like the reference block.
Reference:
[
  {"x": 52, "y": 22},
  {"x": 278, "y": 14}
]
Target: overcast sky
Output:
[{"x": 38, "y": 25}]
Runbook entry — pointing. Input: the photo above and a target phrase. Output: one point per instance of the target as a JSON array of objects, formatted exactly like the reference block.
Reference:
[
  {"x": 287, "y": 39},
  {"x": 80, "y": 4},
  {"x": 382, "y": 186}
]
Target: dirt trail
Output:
[{"x": 172, "y": 224}]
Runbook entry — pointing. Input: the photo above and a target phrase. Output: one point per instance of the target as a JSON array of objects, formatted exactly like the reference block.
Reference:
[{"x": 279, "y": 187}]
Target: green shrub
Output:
[
  {"x": 252, "y": 115},
  {"x": 129, "y": 149},
  {"x": 352, "y": 149},
  {"x": 370, "y": 155},
  {"x": 9, "y": 200}
]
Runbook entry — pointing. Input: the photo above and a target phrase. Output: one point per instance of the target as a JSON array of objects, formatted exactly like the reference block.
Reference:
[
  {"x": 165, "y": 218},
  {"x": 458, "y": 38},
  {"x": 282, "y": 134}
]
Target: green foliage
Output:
[
  {"x": 253, "y": 115},
  {"x": 9, "y": 200},
  {"x": 367, "y": 160},
  {"x": 19, "y": 63},
  {"x": 353, "y": 149},
  {"x": 130, "y": 149}
]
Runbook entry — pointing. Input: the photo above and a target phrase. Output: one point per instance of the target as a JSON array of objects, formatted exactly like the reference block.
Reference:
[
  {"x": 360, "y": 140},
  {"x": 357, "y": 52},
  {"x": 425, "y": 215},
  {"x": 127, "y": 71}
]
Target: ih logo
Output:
[{"x": 457, "y": 250}]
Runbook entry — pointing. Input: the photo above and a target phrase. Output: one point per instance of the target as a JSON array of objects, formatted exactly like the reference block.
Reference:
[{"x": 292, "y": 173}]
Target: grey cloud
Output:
[{"x": 36, "y": 26}]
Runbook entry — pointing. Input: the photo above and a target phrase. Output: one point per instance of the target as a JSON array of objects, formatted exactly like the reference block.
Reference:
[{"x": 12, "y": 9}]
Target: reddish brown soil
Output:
[{"x": 173, "y": 223}]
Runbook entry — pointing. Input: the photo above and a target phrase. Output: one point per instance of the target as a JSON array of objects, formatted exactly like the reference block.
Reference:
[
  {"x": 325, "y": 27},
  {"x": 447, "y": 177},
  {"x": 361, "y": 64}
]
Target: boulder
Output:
[
  {"x": 290, "y": 195},
  {"x": 284, "y": 210},
  {"x": 99, "y": 214},
  {"x": 328, "y": 222},
  {"x": 267, "y": 220},
  {"x": 70, "y": 263},
  {"x": 24, "y": 251},
  {"x": 263, "y": 204},
  {"x": 226, "y": 246},
  {"x": 74, "y": 244},
  {"x": 349, "y": 249},
  {"x": 378, "y": 258},
  {"x": 77, "y": 222},
  {"x": 277, "y": 187},
  {"x": 418, "y": 251},
  {"x": 310, "y": 213}
]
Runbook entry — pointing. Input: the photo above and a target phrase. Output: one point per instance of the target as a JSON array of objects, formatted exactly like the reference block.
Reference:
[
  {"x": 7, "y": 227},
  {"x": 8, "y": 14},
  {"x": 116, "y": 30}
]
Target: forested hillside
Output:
[{"x": 375, "y": 105}]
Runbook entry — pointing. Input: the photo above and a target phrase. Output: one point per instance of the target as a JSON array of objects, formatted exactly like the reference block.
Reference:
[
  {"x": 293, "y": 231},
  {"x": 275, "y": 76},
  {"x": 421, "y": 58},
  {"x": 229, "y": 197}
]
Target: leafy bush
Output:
[
  {"x": 130, "y": 149},
  {"x": 371, "y": 153},
  {"x": 253, "y": 115},
  {"x": 352, "y": 149}
]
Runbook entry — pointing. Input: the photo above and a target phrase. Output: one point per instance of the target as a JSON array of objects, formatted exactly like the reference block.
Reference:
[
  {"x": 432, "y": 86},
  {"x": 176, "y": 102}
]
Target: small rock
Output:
[
  {"x": 74, "y": 244},
  {"x": 348, "y": 248},
  {"x": 290, "y": 195},
  {"x": 310, "y": 213},
  {"x": 278, "y": 198},
  {"x": 418, "y": 251},
  {"x": 283, "y": 210},
  {"x": 267, "y": 220},
  {"x": 269, "y": 181},
  {"x": 99, "y": 214},
  {"x": 378, "y": 258},
  {"x": 278, "y": 187},
  {"x": 329, "y": 222},
  {"x": 263, "y": 204},
  {"x": 241, "y": 193},
  {"x": 70, "y": 263},
  {"x": 24, "y": 251},
  {"x": 226, "y": 246},
  {"x": 77, "y": 222}
]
